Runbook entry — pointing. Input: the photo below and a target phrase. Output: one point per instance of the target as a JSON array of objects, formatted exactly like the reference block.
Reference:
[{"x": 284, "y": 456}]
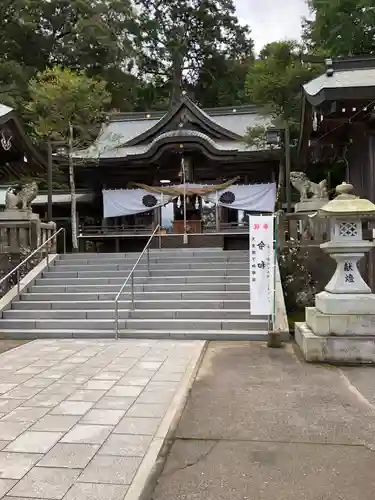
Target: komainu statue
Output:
[
  {"x": 308, "y": 190},
  {"x": 21, "y": 196}
]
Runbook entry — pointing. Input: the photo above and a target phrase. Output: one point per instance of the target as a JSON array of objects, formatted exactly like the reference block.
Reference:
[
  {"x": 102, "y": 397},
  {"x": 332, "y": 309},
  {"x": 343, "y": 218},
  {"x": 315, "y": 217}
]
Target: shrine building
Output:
[{"x": 189, "y": 170}]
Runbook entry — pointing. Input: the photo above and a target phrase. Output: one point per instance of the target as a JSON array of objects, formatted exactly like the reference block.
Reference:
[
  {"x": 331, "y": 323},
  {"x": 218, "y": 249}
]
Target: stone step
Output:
[
  {"x": 151, "y": 280},
  {"x": 167, "y": 272},
  {"x": 195, "y": 252},
  {"x": 133, "y": 324},
  {"x": 159, "y": 260},
  {"x": 171, "y": 314},
  {"x": 25, "y": 334},
  {"x": 139, "y": 304},
  {"x": 144, "y": 296},
  {"x": 147, "y": 287},
  {"x": 59, "y": 268}
]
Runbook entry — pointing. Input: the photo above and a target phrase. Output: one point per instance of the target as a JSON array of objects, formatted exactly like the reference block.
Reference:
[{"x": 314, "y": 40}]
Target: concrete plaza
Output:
[
  {"x": 87, "y": 419},
  {"x": 261, "y": 424}
]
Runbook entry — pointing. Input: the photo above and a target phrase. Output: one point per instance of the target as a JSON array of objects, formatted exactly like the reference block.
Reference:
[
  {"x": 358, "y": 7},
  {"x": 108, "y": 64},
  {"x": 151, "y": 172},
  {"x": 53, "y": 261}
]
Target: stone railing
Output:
[{"x": 301, "y": 229}]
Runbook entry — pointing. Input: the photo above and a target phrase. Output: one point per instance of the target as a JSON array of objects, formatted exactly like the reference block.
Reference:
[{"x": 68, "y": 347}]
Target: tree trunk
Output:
[{"x": 73, "y": 203}]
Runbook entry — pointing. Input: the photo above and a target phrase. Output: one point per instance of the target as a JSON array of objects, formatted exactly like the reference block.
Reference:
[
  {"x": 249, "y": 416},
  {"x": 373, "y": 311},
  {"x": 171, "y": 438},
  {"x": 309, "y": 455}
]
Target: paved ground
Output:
[
  {"x": 262, "y": 425},
  {"x": 81, "y": 419}
]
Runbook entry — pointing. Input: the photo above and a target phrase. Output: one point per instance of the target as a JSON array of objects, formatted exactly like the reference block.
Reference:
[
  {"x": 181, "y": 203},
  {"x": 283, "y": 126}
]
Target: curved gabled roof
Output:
[{"x": 7, "y": 115}]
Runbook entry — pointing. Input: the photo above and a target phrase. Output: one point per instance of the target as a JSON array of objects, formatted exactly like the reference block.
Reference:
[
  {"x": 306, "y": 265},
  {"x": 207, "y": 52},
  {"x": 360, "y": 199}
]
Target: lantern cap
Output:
[{"x": 347, "y": 203}]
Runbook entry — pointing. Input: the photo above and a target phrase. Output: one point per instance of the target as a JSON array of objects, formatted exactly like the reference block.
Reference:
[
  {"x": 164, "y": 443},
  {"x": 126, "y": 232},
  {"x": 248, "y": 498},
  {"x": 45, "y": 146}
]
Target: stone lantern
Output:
[{"x": 341, "y": 326}]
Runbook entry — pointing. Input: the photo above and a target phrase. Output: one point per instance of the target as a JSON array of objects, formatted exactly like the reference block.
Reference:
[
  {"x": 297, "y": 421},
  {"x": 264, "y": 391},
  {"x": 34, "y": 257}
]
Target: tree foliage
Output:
[
  {"x": 179, "y": 40},
  {"x": 274, "y": 81},
  {"x": 341, "y": 27},
  {"x": 60, "y": 97}
]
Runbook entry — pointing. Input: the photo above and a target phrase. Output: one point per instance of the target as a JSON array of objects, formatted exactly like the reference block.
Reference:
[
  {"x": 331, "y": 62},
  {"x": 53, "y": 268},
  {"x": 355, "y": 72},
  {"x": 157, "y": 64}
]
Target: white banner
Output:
[
  {"x": 120, "y": 202},
  {"x": 262, "y": 268},
  {"x": 252, "y": 197}
]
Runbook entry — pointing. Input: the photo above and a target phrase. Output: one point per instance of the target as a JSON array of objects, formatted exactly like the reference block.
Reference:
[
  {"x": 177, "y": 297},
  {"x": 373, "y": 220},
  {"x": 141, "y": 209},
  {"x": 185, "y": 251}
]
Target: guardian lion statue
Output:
[
  {"x": 21, "y": 196},
  {"x": 308, "y": 190}
]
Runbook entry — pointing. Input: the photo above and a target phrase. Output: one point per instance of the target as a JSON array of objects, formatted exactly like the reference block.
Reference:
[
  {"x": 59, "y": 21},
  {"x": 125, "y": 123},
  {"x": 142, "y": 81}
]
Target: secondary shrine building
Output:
[{"x": 189, "y": 170}]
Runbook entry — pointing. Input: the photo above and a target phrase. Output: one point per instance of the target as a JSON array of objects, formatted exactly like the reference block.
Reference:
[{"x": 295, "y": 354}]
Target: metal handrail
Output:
[
  {"x": 21, "y": 264},
  {"x": 131, "y": 276}
]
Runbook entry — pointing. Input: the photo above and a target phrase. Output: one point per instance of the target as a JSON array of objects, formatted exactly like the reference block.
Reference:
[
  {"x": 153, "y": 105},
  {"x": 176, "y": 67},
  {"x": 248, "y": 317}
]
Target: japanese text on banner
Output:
[{"x": 261, "y": 264}]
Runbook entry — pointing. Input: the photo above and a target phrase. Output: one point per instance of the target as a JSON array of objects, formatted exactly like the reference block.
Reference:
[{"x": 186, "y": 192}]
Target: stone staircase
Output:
[{"x": 190, "y": 293}]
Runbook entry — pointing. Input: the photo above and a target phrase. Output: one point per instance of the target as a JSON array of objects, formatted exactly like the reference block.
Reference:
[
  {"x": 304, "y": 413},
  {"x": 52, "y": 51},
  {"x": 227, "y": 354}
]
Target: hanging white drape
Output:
[
  {"x": 252, "y": 198},
  {"x": 121, "y": 202}
]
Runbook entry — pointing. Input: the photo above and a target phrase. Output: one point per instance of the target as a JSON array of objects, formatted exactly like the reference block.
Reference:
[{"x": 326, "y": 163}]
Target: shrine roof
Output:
[
  {"x": 13, "y": 165},
  {"x": 135, "y": 134},
  {"x": 346, "y": 78}
]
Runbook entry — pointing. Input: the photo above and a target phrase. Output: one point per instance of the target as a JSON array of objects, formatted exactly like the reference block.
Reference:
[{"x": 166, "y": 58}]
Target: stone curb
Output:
[
  {"x": 26, "y": 281},
  {"x": 152, "y": 465}
]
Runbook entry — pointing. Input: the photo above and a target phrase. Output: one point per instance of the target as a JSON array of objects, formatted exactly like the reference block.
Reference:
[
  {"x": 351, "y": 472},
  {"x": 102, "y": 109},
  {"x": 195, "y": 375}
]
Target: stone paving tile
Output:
[
  {"x": 25, "y": 414},
  {"x": 16, "y": 465},
  {"x": 126, "y": 445},
  {"x": 89, "y": 434},
  {"x": 86, "y": 395},
  {"x": 5, "y": 486},
  {"x": 38, "y": 382},
  {"x": 77, "y": 417},
  {"x": 73, "y": 456},
  {"x": 110, "y": 469},
  {"x": 3, "y": 444},
  {"x": 155, "y": 397},
  {"x": 20, "y": 392},
  {"x": 147, "y": 410},
  {"x": 108, "y": 375},
  {"x": 103, "y": 417},
  {"x": 91, "y": 491},
  {"x": 34, "y": 442},
  {"x": 99, "y": 385},
  {"x": 112, "y": 403},
  {"x": 56, "y": 423},
  {"x": 46, "y": 400},
  {"x": 133, "y": 425},
  {"x": 7, "y": 405},
  {"x": 11, "y": 430},
  {"x": 132, "y": 380},
  {"x": 44, "y": 482},
  {"x": 72, "y": 408},
  {"x": 125, "y": 391}
]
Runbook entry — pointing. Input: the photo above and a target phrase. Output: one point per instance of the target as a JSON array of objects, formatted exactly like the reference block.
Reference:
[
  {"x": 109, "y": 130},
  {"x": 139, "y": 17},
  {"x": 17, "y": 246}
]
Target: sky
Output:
[{"x": 272, "y": 20}]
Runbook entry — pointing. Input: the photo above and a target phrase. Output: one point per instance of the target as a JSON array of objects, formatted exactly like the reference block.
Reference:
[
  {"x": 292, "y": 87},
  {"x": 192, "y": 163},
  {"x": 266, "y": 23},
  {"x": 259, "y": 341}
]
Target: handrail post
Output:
[
  {"x": 18, "y": 284},
  {"x": 116, "y": 313},
  {"x": 64, "y": 240},
  {"x": 132, "y": 291},
  {"x": 131, "y": 277}
]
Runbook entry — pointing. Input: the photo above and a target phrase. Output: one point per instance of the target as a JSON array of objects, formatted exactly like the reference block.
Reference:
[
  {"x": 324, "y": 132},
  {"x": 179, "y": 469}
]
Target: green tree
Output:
[
  {"x": 341, "y": 27},
  {"x": 90, "y": 35},
  {"x": 67, "y": 106},
  {"x": 221, "y": 82},
  {"x": 177, "y": 38},
  {"x": 274, "y": 82}
]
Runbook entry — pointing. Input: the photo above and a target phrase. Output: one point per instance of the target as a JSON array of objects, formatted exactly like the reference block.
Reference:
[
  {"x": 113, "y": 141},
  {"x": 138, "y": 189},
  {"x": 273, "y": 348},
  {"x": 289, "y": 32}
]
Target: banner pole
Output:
[{"x": 275, "y": 229}]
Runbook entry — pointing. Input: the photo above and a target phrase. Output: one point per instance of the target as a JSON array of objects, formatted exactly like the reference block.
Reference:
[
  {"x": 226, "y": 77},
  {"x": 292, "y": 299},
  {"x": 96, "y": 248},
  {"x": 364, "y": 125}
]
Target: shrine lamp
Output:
[{"x": 273, "y": 136}]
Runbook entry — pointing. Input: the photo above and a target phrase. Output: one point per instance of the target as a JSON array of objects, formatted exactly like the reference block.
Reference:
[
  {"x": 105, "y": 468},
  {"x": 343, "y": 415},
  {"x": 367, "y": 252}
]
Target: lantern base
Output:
[
  {"x": 349, "y": 303},
  {"x": 343, "y": 324},
  {"x": 337, "y": 350}
]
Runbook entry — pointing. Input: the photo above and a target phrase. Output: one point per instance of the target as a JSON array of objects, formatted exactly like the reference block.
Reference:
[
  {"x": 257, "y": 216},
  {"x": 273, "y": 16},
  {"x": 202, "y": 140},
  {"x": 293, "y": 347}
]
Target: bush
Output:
[{"x": 298, "y": 284}]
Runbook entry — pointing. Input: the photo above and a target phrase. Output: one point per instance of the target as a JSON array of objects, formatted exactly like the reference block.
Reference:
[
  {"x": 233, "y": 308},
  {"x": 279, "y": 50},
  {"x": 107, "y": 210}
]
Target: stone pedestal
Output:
[
  {"x": 22, "y": 230},
  {"x": 310, "y": 206},
  {"x": 341, "y": 326}
]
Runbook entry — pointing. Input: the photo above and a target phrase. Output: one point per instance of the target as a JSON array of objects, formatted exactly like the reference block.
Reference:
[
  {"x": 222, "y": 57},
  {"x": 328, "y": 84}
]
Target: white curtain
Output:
[
  {"x": 121, "y": 202},
  {"x": 252, "y": 198}
]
